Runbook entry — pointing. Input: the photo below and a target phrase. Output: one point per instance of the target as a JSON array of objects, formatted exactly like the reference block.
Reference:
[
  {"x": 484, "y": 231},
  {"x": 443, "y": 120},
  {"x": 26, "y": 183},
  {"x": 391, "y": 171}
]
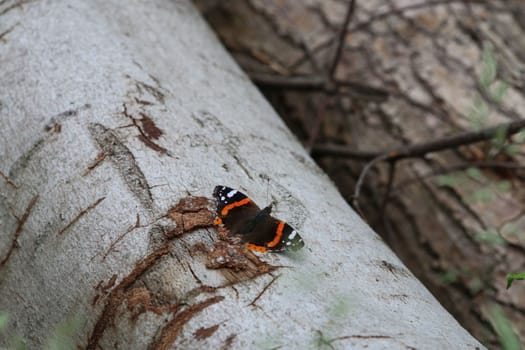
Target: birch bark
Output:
[{"x": 110, "y": 114}]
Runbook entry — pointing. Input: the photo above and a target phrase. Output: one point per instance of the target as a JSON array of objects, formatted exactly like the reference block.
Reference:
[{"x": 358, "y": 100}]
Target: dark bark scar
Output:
[
  {"x": 172, "y": 329},
  {"x": 148, "y": 130},
  {"x": 8, "y": 180},
  {"x": 203, "y": 333},
  {"x": 81, "y": 214},
  {"x": 263, "y": 291},
  {"x": 124, "y": 162},
  {"x": 98, "y": 160},
  {"x": 18, "y": 230},
  {"x": 228, "y": 342}
]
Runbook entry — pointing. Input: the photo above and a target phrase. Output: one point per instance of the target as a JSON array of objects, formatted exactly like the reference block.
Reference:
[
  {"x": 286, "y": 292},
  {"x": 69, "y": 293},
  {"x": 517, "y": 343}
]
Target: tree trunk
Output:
[
  {"x": 409, "y": 72},
  {"x": 117, "y": 120}
]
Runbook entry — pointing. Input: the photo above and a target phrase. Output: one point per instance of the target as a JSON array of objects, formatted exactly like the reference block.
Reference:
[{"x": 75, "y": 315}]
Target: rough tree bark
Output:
[
  {"x": 409, "y": 72},
  {"x": 111, "y": 113}
]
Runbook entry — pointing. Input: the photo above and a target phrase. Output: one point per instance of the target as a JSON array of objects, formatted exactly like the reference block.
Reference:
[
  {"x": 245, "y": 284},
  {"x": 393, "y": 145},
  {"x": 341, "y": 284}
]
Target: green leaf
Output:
[
  {"x": 503, "y": 328},
  {"x": 511, "y": 277},
  {"x": 512, "y": 150},
  {"x": 4, "y": 319},
  {"x": 449, "y": 276},
  {"x": 499, "y": 90},
  {"x": 490, "y": 236},
  {"x": 500, "y": 136},
  {"x": 475, "y": 174},
  {"x": 483, "y": 195},
  {"x": 510, "y": 228},
  {"x": 448, "y": 180},
  {"x": 489, "y": 68},
  {"x": 504, "y": 186},
  {"x": 478, "y": 114}
]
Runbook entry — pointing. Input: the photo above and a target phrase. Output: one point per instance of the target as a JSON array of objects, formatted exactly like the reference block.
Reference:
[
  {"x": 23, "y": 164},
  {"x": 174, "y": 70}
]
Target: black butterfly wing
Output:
[
  {"x": 273, "y": 235},
  {"x": 261, "y": 231},
  {"x": 234, "y": 209}
]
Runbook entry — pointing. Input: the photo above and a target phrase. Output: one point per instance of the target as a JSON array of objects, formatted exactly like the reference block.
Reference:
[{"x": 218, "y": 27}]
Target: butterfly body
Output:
[{"x": 261, "y": 231}]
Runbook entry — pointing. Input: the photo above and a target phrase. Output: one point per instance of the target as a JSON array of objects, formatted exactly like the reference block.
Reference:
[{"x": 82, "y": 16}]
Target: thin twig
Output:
[
  {"x": 390, "y": 182},
  {"x": 359, "y": 184},
  {"x": 310, "y": 83},
  {"x": 455, "y": 168},
  {"x": 421, "y": 149},
  {"x": 341, "y": 40},
  {"x": 320, "y": 113}
]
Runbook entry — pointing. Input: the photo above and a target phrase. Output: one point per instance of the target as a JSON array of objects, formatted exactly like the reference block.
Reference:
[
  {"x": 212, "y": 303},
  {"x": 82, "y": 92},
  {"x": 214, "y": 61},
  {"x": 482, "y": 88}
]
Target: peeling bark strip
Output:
[
  {"x": 171, "y": 331},
  {"x": 18, "y": 230},
  {"x": 118, "y": 295},
  {"x": 82, "y": 213},
  {"x": 124, "y": 161},
  {"x": 190, "y": 213}
]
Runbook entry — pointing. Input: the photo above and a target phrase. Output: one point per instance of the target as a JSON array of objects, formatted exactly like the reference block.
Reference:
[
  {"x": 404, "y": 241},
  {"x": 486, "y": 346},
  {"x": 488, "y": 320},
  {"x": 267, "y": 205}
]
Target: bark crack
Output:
[
  {"x": 81, "y": 214},
  {"x": 18, "y": 230},
  {"x": 125, "y": 163}
]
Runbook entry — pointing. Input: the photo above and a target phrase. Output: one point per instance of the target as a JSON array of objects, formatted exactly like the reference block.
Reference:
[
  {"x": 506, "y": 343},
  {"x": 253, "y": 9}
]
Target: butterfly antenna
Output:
[{"x": 267, "y": 189}]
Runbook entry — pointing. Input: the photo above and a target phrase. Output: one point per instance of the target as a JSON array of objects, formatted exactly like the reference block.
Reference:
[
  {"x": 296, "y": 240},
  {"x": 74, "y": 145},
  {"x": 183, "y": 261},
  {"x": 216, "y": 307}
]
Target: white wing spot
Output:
[
  {"x": 292, "y": 235},
  {"x": 231, "y": 193},
  {"x": 288, "y": 243},
  {"x": 223, "y": 198}
]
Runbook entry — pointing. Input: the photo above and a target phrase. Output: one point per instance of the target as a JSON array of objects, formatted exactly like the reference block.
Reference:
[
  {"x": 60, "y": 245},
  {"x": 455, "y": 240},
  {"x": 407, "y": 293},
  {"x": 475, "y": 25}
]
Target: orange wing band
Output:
[
  {"x": 229, "y": 207},
  {"x": 257, "y": 248},
  {"x": 278, "y": 235}
]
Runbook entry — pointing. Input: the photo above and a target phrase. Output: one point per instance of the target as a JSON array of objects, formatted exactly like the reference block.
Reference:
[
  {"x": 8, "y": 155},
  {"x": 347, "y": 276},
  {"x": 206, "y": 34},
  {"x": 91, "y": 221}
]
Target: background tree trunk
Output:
[
  {"x": 111, "y": 113},
  {"x": 409, "y": 72}
]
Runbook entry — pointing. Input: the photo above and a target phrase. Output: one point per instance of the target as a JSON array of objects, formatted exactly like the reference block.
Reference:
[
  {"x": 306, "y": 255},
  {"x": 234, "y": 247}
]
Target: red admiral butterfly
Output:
[{"x": 262, "y": 232}]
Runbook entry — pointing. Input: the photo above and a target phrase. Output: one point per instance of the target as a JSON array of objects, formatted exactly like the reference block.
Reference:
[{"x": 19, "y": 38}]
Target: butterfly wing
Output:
[
  {"x": 234, "y": 208},
  {"x": 261, "y": 231},
  {"x": 273, "y": 235}
]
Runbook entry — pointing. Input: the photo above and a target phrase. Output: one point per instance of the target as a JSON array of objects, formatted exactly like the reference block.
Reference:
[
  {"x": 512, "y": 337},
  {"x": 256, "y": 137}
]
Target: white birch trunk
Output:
[{"x": 112, "y": 111}]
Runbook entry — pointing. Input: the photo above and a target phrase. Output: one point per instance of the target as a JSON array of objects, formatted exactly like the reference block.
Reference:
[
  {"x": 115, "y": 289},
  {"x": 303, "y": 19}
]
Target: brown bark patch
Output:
[
  {"x": 236, "y": 262},
  {"x": 171, "y": 331},
  {"x": 151, "y": 144},
  {"x": 228, "y": 342},
  {"x": 139, "y": 300},
  {"x": 190, "y": 213},
  {"x": 203, "y": 333},
  {"x": 119, "y": 294},
  {"x": 149, "y": 128}
]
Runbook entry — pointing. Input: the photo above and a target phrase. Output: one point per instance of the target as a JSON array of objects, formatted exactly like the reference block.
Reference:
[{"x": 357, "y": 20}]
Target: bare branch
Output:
[{"x": 420, "y": 149}]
